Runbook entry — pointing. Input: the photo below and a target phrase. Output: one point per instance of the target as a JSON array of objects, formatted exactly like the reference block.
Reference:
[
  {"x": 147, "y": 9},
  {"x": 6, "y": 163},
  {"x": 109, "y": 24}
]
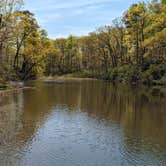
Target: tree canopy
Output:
[{"x": 131, "y": 48}]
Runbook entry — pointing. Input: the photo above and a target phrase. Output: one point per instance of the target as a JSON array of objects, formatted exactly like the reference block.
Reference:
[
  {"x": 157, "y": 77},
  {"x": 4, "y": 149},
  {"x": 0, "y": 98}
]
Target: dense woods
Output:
[{"x": 131, "y": 49}]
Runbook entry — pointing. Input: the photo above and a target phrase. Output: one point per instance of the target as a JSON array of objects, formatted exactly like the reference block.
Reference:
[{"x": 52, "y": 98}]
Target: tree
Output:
[
  {"x": 7, "y": 8},
  {"x": 135, "y": 21},
  {"x": 155, "y": 39}
]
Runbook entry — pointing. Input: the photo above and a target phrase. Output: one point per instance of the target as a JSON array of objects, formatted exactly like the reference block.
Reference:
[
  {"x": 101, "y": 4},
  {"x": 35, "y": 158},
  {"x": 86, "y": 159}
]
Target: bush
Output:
[
  {"x": 155, "y": 73},
  {"x": 134, "y": 74},
  {"x": 125, "y": 73},
  {"x": 147, "y": 77},
  {"x": 113, "y": 74},
  {"x": 7, "y": 73}
]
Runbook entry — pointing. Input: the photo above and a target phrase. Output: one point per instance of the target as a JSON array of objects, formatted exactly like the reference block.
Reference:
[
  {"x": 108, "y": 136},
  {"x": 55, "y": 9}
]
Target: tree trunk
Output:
[
  {"x": 137, "y": 48},
  {"x": 1, "y": 52}
]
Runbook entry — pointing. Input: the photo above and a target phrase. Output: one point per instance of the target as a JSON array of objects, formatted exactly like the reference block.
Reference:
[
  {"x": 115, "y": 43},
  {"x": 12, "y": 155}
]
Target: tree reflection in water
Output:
[{"x": 138, "y": 112}]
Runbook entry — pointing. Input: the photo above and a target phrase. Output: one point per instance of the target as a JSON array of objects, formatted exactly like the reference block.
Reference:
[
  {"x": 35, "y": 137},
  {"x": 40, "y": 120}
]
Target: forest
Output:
[{"x": 132, "y": 49}]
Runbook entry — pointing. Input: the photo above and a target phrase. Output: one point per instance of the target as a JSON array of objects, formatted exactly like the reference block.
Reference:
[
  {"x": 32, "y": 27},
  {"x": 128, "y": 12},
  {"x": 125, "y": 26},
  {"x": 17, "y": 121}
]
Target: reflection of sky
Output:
[
  {"x": 78, "y": 17},
  {"x": 81, "y": 123},
  {"x": 75, "y": 139}
]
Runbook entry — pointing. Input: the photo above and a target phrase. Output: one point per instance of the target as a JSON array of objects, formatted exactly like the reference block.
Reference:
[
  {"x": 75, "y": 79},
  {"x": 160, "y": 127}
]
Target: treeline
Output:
[
  {"x": 131, "y": 49},
  {"x": 23, "y": 45}
]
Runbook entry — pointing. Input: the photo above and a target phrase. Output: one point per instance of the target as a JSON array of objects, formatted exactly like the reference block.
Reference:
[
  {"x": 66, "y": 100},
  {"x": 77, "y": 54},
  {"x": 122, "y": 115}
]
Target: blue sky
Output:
[{"x": 77, "y": 17}]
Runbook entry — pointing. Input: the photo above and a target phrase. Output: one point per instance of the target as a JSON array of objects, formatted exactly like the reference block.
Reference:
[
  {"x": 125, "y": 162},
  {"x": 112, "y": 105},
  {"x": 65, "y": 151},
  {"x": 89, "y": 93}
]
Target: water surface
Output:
[{"x": 83, "y": 123}]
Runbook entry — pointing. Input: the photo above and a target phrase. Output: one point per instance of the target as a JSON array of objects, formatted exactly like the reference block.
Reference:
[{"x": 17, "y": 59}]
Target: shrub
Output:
[
  {"x": 7, "y": 73},
  {"x": 154, "y": 73},
  {"x": 113, "y": 74},
  {"x": 125, "y": 73},
  {"x": 134, "y": 74}
]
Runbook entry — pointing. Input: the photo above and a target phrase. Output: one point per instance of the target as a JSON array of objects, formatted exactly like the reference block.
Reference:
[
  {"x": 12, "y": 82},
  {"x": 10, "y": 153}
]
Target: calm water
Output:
[{"x": 83, "y": 123}]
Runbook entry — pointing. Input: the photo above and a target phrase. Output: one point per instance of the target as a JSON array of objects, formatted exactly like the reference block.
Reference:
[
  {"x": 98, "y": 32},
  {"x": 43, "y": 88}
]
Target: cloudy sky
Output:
[{"x": 78, "y": 17}]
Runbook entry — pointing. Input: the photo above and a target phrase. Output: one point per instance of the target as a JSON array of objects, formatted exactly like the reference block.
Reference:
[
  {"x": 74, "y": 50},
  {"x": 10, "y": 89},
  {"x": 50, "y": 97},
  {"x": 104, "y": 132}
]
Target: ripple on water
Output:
[{"x": 81, "y": 124}]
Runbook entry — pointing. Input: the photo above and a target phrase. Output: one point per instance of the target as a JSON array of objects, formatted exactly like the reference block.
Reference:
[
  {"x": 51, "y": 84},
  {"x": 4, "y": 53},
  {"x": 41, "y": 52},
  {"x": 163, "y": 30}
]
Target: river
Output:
[{"x": 81, "y": 122}]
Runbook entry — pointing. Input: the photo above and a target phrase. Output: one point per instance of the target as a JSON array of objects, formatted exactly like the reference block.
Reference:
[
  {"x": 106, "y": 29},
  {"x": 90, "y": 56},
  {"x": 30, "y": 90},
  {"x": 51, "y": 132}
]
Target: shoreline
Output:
[
  {"x": 79, "y": 76},
  {"x": 13, "y": 87},
  {"x": 152, "y": 89},
  {"x": 18, "y": 85}
]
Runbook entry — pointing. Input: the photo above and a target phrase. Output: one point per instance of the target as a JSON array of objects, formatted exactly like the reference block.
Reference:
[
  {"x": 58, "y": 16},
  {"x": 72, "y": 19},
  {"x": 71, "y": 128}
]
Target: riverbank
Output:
[
  {"x": 129, "y": 77},
  {"x": 16, "y": 87},
  {"x": 9, "y": 87},
  {"x": 148, "y": 73}
]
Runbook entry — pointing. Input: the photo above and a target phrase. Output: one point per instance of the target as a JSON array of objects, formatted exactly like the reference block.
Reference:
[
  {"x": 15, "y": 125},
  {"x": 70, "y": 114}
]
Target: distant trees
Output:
[
  {"x": 134, "y": 42},
  {"x": 133, "y": 47},
  {"x": 66, "y": 57}
]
